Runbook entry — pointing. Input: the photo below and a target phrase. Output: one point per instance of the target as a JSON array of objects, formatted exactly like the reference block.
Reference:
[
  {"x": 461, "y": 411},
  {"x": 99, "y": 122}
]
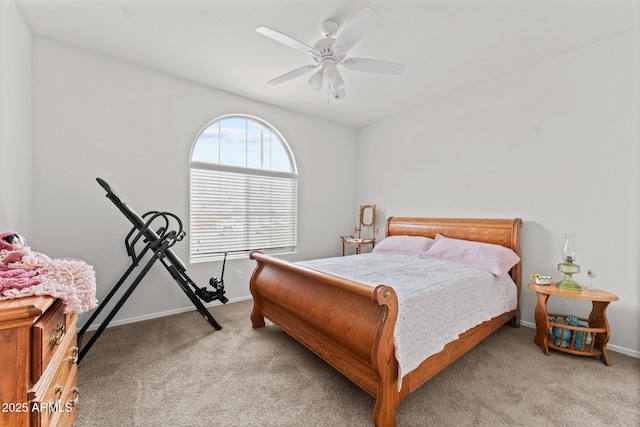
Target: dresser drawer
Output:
[
  {"x": 48, "y": 334},
  {"x": 69, "y": 408},
  {"x": 56, "y": 391},
  {"x": 60, "y": 412}
]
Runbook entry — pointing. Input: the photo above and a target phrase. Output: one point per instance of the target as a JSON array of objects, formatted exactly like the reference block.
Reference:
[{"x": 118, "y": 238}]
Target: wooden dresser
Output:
[{"x": 38, "y": 363}]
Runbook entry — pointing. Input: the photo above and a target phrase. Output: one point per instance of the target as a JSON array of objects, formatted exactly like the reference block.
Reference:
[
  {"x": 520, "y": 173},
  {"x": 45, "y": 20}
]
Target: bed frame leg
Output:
[
  {"x": 257, "y": 319},
  {"x": 514, "y": 322},
  {"x": 384, "y": 413}
]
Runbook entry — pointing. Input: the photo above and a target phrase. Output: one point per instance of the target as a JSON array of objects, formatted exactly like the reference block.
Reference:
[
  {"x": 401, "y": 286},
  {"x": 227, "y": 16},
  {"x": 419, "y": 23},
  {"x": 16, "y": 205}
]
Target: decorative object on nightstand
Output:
[
  {"x": 367, "y": 220},
  {"x": 591, "y": 275},
  {"x": 541, "y": 280},
  {"x": 568, "y": 267}
]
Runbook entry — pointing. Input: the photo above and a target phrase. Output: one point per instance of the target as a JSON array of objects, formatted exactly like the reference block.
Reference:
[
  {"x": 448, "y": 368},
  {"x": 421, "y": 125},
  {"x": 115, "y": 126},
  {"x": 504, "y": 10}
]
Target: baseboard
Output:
[
  {"x": 119, "y": 322},
  {"x": 611, "y": 347}
]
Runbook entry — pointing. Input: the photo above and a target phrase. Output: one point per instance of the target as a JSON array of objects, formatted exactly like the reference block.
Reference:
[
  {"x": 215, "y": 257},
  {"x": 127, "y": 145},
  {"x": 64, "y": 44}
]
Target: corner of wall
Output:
[{"x": 16, "y": 119}]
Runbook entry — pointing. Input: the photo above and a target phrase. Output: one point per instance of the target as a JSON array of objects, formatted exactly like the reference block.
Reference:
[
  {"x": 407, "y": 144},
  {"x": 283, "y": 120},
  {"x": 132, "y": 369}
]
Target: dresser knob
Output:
[
  {"x": 58, "y": 392},
  {"x": 75, "y": 393},
  {"x": 73, "y": 359},
  {"x": 74, "y": 401},
  {"x": 56, "y": 338}
]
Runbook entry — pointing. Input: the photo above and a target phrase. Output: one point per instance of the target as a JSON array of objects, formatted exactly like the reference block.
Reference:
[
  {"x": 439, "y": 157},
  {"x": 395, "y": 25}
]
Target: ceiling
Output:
[{"x": 448, "y": 46}]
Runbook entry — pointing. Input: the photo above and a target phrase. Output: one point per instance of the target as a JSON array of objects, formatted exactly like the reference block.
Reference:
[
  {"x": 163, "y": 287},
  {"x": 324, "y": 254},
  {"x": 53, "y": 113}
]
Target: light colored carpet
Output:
[{"x": 178, "y": 371}]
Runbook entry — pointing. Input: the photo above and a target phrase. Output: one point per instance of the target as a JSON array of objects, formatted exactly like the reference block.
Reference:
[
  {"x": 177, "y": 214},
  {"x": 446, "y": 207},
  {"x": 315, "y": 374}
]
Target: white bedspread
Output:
[{"x": 438, "y": 300}]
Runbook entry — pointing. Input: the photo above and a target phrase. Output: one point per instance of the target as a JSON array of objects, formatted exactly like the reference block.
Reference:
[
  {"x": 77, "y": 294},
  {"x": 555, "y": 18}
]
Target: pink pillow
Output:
[
  {"x": 493, "y": 258},
  {"x": 408, "y": 245}
]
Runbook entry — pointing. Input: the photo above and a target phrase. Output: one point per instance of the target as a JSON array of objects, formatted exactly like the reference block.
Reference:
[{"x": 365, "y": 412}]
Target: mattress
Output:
[{"x": 437, "y": 300}]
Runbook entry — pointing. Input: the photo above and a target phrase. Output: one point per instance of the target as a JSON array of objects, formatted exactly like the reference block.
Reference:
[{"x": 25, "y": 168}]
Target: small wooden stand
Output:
[
  {"x": 367, "y": 219},
  {"x": 597, "y": 328}
]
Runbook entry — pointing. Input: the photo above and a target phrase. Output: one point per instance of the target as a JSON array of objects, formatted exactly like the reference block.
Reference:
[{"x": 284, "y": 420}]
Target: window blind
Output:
[{"x": 240, "y": 211}]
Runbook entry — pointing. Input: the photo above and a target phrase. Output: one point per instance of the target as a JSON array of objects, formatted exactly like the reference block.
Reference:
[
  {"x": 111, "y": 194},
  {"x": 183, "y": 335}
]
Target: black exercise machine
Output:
[{"x": 159, "y": 243}]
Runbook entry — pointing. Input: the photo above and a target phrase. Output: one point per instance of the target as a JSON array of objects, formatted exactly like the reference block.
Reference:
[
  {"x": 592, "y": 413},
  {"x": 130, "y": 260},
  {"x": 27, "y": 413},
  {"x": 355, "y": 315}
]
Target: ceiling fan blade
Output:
[
  {"x": 351, "y": 34},
  {"x": 287, "y": 40},
  {"x": 292, "y": 74},
  {"x": 373, "y": 66}
]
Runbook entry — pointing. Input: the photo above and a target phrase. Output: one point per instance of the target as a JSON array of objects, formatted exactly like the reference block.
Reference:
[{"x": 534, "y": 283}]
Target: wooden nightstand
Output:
[{"x": 573, "y": 339}]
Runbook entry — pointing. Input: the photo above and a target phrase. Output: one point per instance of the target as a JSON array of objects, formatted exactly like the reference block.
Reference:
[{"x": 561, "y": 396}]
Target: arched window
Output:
[{"x": 244, "y": 189}]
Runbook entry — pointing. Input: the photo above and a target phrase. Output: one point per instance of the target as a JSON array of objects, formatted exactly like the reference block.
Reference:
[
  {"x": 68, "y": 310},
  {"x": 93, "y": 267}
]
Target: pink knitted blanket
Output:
[{"x": 25, "y": 273}]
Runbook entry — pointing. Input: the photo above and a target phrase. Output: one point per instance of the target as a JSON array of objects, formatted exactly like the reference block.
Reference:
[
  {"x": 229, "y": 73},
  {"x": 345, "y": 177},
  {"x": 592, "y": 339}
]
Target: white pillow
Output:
[
  {"x": 493, "y": 258},
  {"x": 407, "y": 245}
]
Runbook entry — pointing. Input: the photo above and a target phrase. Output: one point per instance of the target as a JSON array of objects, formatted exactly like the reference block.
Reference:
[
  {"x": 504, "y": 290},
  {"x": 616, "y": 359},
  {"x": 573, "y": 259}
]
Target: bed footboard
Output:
[{"x": 348, "y": 324}]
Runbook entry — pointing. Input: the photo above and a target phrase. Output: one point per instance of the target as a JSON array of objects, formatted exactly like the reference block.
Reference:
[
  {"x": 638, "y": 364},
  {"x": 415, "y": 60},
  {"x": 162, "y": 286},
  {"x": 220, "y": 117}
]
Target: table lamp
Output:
[{"x": 568, "y": 267}]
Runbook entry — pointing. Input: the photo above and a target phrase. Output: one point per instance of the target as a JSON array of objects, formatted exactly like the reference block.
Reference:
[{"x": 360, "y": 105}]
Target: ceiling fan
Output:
[{"x": 329, "y": 52}]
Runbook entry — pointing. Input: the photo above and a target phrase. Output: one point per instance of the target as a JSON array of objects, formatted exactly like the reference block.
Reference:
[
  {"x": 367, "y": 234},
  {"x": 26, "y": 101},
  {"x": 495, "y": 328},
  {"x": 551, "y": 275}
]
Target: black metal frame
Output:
[{"x": 159, "y": 243}]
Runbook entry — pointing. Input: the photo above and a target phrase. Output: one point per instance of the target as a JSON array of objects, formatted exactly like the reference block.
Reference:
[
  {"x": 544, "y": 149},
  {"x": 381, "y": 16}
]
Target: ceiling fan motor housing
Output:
[{"x": 324, "y": 46}]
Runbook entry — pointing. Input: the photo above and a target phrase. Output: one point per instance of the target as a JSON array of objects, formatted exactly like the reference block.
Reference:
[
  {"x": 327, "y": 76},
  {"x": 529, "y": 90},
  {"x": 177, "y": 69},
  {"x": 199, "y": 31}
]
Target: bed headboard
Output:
[{"x": 504, "y": 232}]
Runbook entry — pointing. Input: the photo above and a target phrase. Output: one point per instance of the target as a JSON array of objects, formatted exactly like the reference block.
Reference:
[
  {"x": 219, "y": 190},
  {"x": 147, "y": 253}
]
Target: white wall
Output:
[
  {"x": 98, "y": 117},
  {"x": 555, "y": 144},
  {"x": 15, "y": 120}
]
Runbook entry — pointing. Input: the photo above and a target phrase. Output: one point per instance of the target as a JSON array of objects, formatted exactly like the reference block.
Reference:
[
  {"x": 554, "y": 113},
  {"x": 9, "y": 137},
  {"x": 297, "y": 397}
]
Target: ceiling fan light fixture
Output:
[
  {"x": 331, "y": 74},
  {"x": 316, "y": 80},
  {"x": 337, "y": 88},
  {"x": 337, "y": 85}
]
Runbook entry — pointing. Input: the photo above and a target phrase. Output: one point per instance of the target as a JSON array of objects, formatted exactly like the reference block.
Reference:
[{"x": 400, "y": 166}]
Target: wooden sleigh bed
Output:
[{"x": 351, "y": 325}]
